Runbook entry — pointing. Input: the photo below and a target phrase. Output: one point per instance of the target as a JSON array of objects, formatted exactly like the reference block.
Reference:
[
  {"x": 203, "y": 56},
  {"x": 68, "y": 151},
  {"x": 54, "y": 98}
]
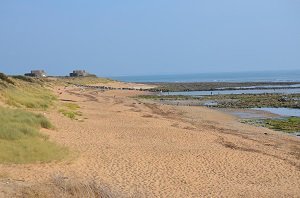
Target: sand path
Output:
[{"x": 151, "y": 150}]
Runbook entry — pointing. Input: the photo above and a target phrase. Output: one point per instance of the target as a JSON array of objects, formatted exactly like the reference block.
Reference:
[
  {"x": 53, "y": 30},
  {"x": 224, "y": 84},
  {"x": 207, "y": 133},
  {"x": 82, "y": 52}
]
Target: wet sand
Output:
[{"x": 153, "y": 150}]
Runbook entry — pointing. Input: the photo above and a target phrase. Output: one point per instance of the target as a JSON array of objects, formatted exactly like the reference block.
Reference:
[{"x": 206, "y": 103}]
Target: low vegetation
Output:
[
  {"x": 70, "y": 110},
  {"x": 84, "y": 80},
  {"x": 40, "y": 81},
  {"x": 255, "y": 100},
  {"x": 288, "y": 125},
  {"x": 26, "y": 92},
  {"x": 291, "y": 124},
  {"x": 5, "y": 79},
  {"x": 210, "y": 86},
  {"x": 61, "y": 186},
  {"x": 29, "y": 97},
  {"x": 21, "y": 140},
  {"x": 237, "y": 100}
]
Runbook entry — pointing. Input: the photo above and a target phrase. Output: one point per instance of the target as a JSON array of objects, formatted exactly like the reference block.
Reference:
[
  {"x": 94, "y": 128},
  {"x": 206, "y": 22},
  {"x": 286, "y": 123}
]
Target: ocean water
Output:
[
  {"x": 226, "y": 92},
  {"x": 262, "y": 76}
]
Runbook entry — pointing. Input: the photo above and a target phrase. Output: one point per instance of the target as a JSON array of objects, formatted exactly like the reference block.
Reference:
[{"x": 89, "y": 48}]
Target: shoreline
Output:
[{"x": 217, "y": 86}]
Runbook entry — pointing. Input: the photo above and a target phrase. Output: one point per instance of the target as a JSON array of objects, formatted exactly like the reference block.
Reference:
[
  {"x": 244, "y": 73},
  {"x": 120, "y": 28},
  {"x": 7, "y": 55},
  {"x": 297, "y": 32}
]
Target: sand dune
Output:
[{"x": 150, "y": 150}]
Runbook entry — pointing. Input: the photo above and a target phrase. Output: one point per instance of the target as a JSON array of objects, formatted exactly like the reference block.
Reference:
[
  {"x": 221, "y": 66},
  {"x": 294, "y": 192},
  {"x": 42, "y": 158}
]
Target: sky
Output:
[{"x": 139, "y": 37}]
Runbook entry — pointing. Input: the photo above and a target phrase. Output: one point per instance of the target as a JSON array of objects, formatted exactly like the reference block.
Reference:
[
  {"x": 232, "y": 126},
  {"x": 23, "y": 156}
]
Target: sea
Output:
[{"x": 257, "y": 76}]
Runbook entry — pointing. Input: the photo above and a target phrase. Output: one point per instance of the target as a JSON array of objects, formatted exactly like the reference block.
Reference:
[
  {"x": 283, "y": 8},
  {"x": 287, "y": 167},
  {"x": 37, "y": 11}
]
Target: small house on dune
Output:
[
  {"x": 36, "y": 73},
  {"x": 80, "y": 73}
]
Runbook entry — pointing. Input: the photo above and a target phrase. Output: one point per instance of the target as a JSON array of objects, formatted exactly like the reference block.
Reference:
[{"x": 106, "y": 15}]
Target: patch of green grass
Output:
[
  {"x": 70, "y": 110},
  {"x": 71, "y": 106},
  {"x": 70, "y": 114},
  {"x": 21, "y": 141},
  {"x": 291, "y": 124}
]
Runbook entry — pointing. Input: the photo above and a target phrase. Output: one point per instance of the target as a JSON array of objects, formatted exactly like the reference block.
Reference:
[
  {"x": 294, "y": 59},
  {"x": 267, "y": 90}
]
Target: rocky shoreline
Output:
[{"x": 212, "y": 86}]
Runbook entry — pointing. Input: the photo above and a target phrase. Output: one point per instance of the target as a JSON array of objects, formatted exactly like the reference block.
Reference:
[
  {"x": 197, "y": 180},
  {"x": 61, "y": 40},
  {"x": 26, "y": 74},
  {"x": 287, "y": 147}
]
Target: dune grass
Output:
[
  {"x": 30, "y": 97},
  {"x": 30, "y": 150},
  {"x": 21, "y": 91},
  {"x": 21, "y": 141},
  {"x": 85, "y": 80},
  {"x": 68, "y": 187},
  {"x": 6, "y": 79},
  {"x": 70, "y": 110}
]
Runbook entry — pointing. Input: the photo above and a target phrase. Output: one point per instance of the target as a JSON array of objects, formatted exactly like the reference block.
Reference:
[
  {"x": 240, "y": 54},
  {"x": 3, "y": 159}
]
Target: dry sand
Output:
[{"x": 151, "y": 150}]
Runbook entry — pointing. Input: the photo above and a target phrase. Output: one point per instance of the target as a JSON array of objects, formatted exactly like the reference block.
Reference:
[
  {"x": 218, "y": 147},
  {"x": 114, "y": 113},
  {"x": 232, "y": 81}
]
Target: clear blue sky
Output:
[{"x": 132, "y": 37}]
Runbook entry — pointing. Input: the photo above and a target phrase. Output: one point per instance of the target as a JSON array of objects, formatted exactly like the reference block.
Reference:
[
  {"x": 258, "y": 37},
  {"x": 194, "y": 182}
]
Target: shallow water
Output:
[
  {"x": 210, "y": 103},
  {"x": 261, "y": 76},
  {"x": 247, "y": 115},
  {"x": 281, "y": 111},
  {"x": 263, "y": 87},
  {"x": 225, "y": 92}
]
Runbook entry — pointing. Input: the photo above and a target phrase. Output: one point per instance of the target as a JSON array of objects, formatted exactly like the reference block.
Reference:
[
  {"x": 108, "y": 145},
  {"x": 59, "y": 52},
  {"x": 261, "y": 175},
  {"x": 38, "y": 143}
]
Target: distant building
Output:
[
  {"x": 37, "y": 73},
  {"x": 80, "y": 73}
]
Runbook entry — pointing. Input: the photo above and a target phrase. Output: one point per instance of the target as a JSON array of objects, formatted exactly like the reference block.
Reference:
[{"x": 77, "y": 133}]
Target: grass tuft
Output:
[
  {"x": 70, "y": 114},
  {"x": 70, "y": 110}
]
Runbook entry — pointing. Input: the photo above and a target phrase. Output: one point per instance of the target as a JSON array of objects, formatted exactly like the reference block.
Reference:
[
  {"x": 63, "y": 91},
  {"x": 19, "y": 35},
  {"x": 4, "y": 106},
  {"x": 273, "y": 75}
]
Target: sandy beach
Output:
[{"x": 139, "y": 149}]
